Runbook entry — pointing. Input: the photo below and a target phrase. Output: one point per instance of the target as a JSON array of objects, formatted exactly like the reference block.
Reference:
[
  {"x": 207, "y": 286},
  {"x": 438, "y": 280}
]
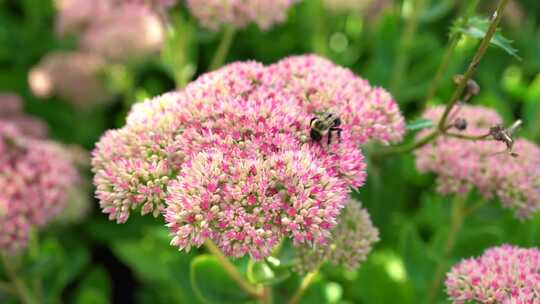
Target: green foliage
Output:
[
  {"x": 73, "y": 264},
  {"x": 419, "y": 124},
  {"x": 212, "y": 283},
  {"x": 94, "y": 288},
  {"x": 477, "y": 27}
]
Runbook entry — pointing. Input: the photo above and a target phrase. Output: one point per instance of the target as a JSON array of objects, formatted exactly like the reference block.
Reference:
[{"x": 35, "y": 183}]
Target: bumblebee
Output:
[{"x": 325, "y": 124}]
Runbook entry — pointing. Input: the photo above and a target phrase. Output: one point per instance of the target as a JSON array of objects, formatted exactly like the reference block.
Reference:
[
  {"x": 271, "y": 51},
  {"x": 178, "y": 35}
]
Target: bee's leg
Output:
[
  {"x": 338, "y": 130},
  {"x": 329, "y": 136}
]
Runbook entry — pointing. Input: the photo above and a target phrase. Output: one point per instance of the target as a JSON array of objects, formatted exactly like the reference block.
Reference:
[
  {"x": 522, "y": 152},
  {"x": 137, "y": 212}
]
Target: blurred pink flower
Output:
[
  {"x": 506, "y": 274},
  {"x": 157, "y": 4},
  {"x": 214, "y": 14},
  {"x": 74, "y": 16},
  {"x": 229, "y": 159},
  {"x": 126, "y": 32},
  {"x": 11, "y": 109},
  {"x": 462, "y": 164},
  {"x": 74, "y": 76},
  {"x": 34, "y": 177},
  {"x": 349, "y": 245}
]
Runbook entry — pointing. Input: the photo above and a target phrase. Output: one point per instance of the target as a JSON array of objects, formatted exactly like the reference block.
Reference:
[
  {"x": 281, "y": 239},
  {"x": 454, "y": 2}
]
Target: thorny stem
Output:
[
  {"x": 232, "y": 271},
  {"x": 405, "y": 45},
  {"x": 223, "y": 48},
  {"x": 456, "y": 222},
  {"x": 306, "y": 281},
  {"x": 442, "y": 127},
  {"x": 19, "y": 287},
  {"x": 495, "y": 19}
]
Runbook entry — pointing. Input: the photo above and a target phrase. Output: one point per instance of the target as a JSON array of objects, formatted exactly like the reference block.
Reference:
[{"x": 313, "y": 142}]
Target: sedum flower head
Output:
[
  {"x": 133, "y": 165},
  {"x": 505, "y": 274},
  {"x": 321, "y": 86},
  {"x": 72, "y": 75},
  {"x": 351, "y": 242},
  {"x": 214, "y": 14},
  {"x": 229, "y": 159},
  {"x": 34, "y": 177},
  {"x": 128, "y": 31},
  {"x": 462, "y": 165}
]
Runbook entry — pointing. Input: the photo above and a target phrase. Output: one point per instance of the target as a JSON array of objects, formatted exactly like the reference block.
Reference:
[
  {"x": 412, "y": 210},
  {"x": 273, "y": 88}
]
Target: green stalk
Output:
[
  {"x": 405, "y": 44},
  {"x": 232, "y": 271},
  {"x": 445, "y": 63},
  {"x": 266, "y": 297},
  {"x": 19, "y": 286},
  {"x": 223, "y": 48},
  {"x": 306, "y": 282},
  {"x": 456, "y": 222}
]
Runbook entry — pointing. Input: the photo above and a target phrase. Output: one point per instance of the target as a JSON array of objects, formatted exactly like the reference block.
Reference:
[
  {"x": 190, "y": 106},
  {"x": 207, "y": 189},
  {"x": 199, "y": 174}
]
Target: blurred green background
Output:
[{"x": 98, "y": 261}]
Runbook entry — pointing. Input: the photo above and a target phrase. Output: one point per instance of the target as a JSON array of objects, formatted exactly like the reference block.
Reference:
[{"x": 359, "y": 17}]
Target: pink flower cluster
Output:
[
  {"x": 320, "y": 87},
  {"x": 216, "y": 13},
  {"x": 350, "y": 243},
  {"x": 34, "y": 177},
  {"x": 230, "y": 159},
  {"x": 505, "y": 274},
  {"x": 461, "y": 164},
  {"x": 11, "y": 110}
]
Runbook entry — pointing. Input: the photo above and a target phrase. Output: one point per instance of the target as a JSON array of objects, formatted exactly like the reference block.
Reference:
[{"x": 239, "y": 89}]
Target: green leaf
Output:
[
  {"x": 95, "y": 288},
  {"x": 383, "y": 271},
  {"x": 263, "y": 273},
  {"x": 477, "y": 28},
  {"x": 181, "y": 50},
  {"x": 157, "y": 264},
  {"x": 419, "y": 124},
  {"x": 212, "y": 283}
]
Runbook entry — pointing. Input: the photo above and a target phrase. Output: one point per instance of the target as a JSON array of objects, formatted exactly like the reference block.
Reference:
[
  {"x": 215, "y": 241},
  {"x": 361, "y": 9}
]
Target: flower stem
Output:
[
  {"x": 456, "y": 222},
  {"x": 443, "y": 67},
  {"x": 19, "y": 287},
  {"x": 495, "y": 19},
  {"x": 406, "y": 148},
  {"x": 266, "y": 297},
  {"x": 405, "y": 45},
  {"x": 232, "y": 271},
  {"x": 223, "y": 48},
  {"x": 453, "y": 42},
  {"x": 306, "y": 281}
]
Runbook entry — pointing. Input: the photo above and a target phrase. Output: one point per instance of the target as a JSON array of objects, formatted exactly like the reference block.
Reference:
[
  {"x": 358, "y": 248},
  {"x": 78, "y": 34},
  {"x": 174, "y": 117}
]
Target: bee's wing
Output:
[{"x": 515, "y": 126}]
